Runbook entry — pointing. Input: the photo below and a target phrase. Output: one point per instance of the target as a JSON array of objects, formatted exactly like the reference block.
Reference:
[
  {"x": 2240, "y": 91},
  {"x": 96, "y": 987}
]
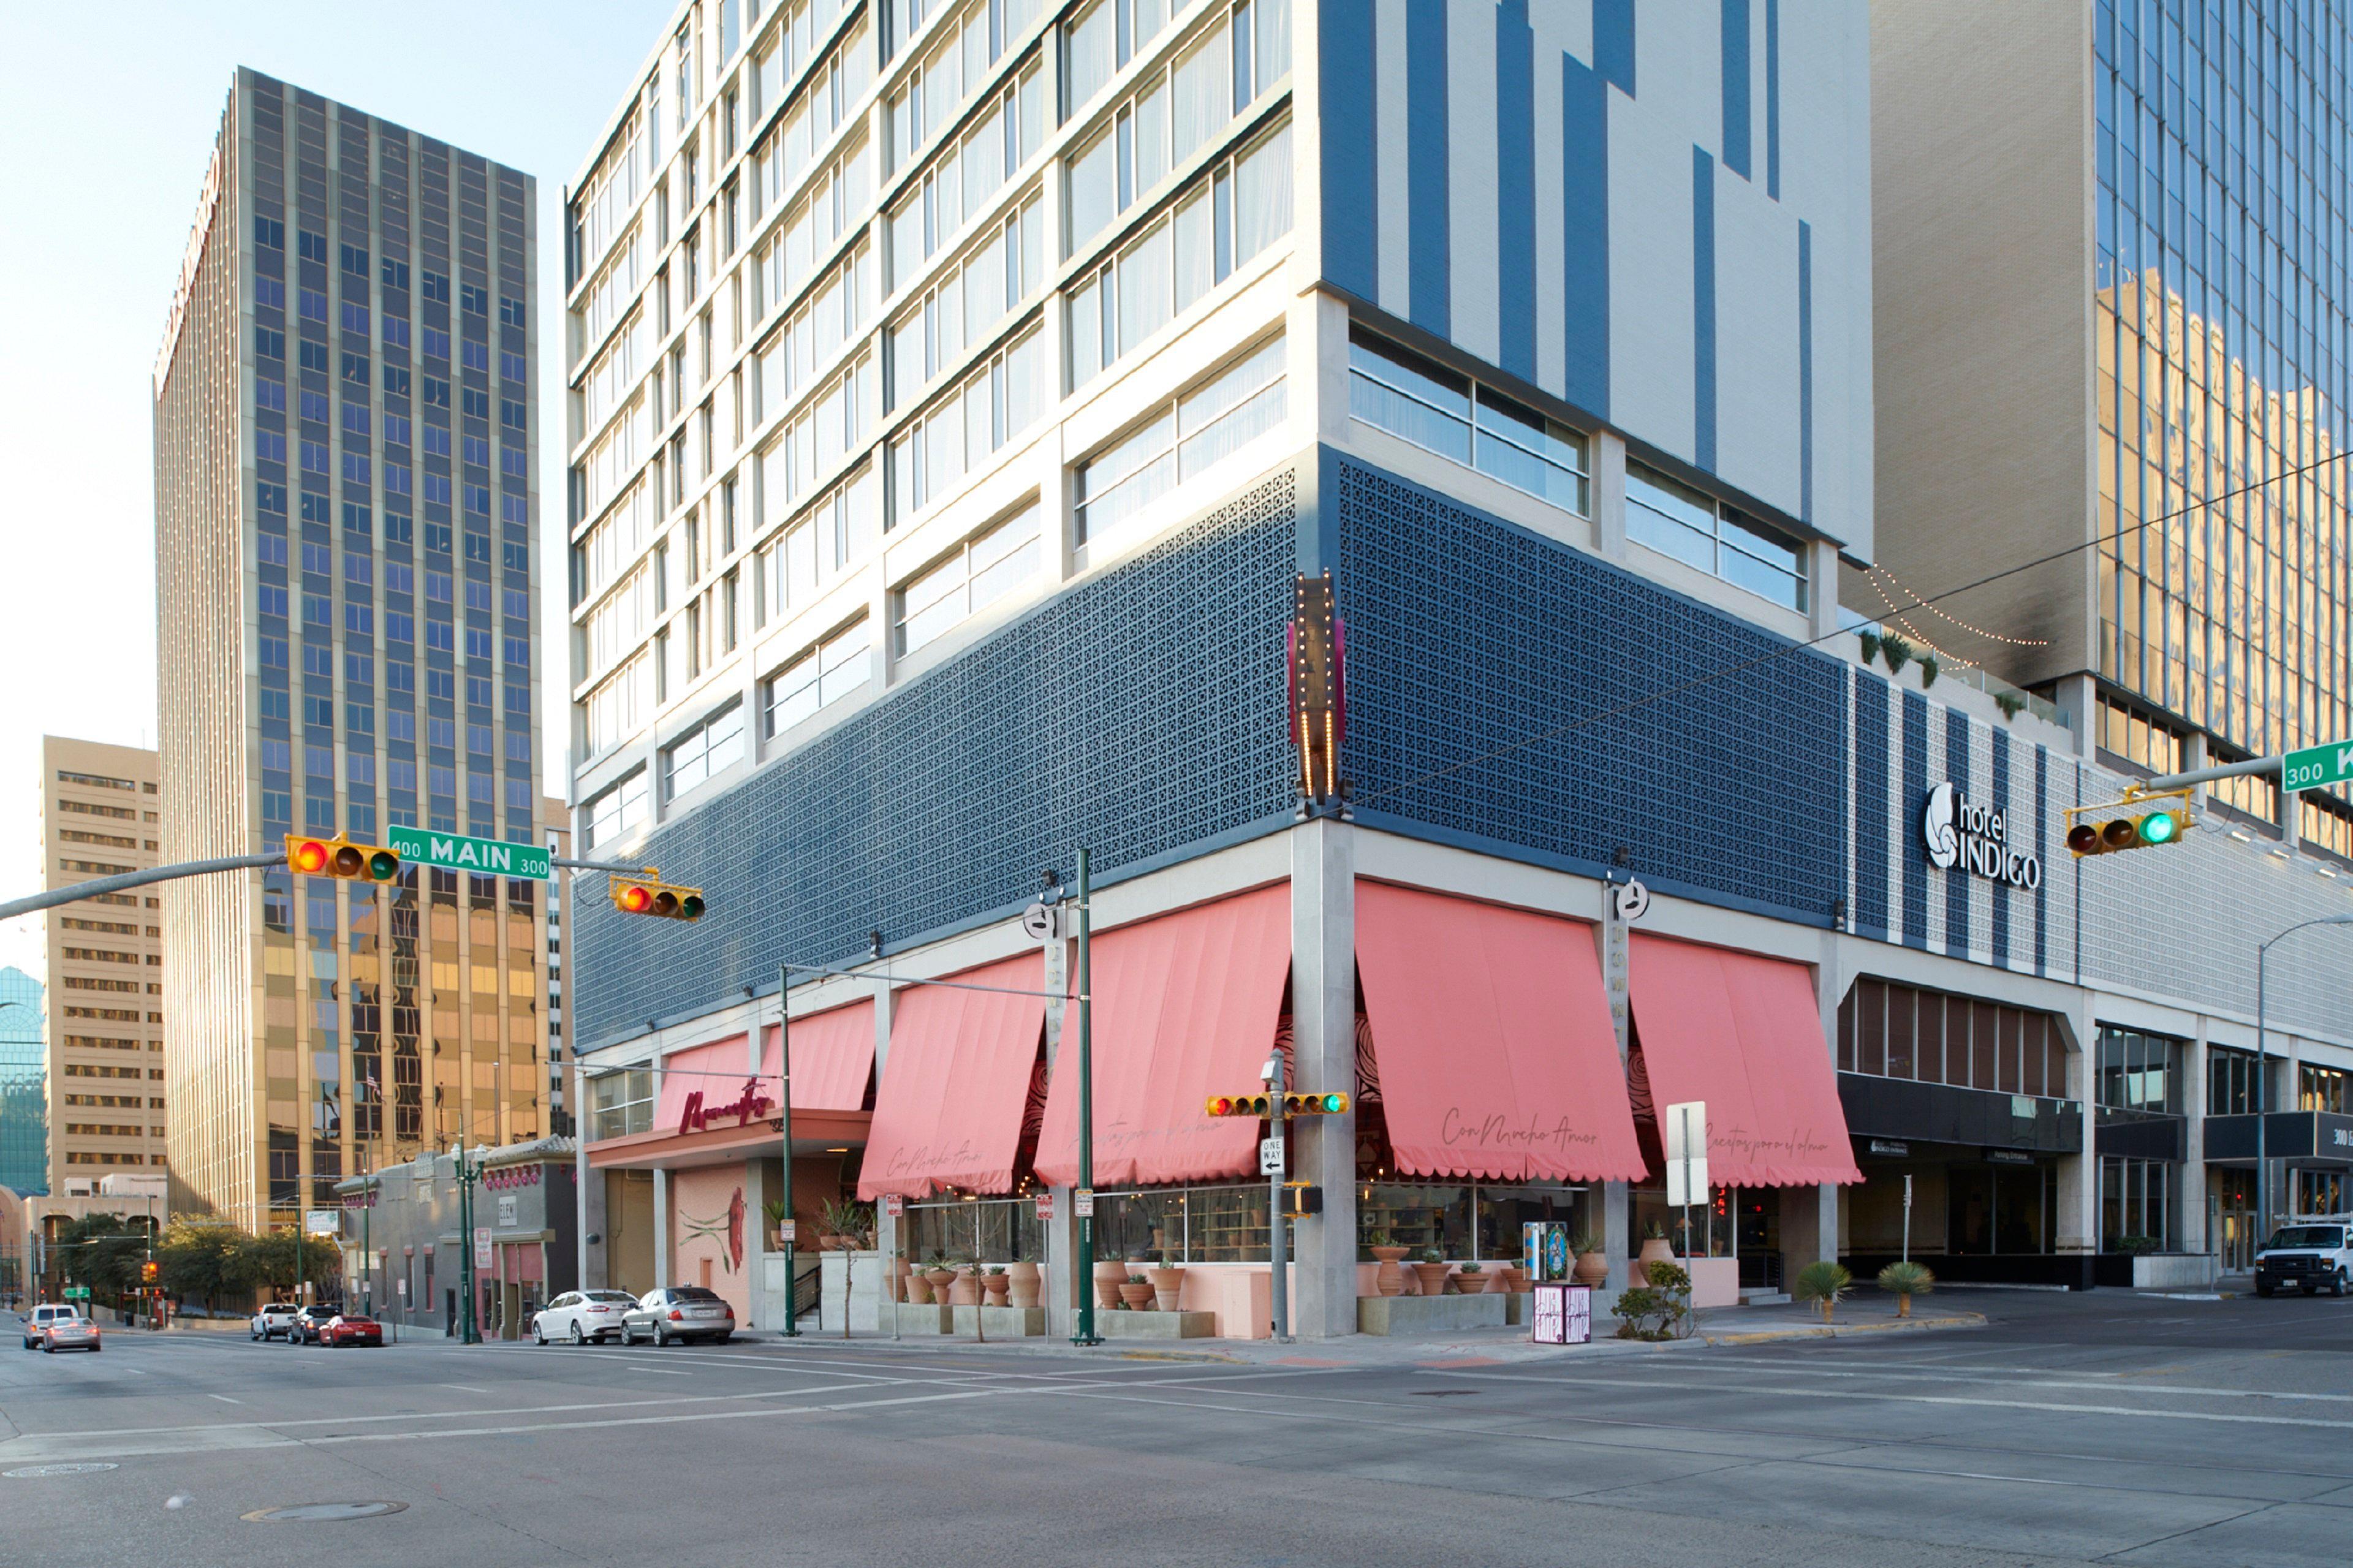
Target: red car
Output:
[{"x": 351, "y": 1328}]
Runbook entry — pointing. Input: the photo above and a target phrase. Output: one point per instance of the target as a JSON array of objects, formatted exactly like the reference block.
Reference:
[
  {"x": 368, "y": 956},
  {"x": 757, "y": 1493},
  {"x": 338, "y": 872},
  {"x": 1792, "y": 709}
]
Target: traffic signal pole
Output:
[
  {"x": 37, "y": 902},
  {"x": 1086, "y": 1279},
  {"x": 1277, "y": 1249},
  {"x": 784, "y": 1114}
]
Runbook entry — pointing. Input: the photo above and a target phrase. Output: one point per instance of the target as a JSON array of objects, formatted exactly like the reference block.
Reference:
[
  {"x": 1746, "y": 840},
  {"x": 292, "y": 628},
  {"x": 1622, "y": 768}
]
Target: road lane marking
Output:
[
  {"x": 465, "y": 1388},
  {"x": 1795, "y": 1369},
  {"x": 2140, "y": 1412},
  {"x": 224, "y": 1398},
  {"x": 661, "y": 1371}
]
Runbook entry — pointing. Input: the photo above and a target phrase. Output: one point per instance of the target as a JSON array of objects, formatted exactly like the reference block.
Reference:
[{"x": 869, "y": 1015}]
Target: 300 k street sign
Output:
[
  {"x": 2317, "y": 765},
  {"x": 483, "y": 856}
]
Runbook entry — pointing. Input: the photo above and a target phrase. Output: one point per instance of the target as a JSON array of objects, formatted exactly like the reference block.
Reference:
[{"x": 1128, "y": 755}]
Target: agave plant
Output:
[
  {"x": 1822, "y": 1281},
  {"x": 1904, "y": 1281}
]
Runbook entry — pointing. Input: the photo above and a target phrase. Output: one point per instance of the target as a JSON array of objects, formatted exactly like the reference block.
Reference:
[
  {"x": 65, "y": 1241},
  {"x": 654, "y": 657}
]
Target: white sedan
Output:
[{"x": 581, "y": 1316}]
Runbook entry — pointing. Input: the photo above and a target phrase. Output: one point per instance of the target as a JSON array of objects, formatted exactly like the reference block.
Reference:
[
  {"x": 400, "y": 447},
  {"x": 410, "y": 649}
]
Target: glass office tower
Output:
[{"x": 344, "y": 495}]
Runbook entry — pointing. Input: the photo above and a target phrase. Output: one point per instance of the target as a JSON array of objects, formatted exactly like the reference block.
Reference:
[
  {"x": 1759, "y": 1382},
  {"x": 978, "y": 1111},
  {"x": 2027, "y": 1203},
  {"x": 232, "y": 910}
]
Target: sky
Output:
[{"x": 115, "y": 114}]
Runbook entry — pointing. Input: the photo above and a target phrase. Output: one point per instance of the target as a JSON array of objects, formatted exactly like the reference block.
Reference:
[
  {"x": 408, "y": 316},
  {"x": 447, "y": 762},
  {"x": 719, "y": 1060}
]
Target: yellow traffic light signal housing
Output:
[
  {"x": 150, "y": 1272},
  {"x": 649, "y": 895},
  {"x": 339, "y": 857},
  {"x": 1251, "y": 1105},
  {"x": 2135, "y": 821},
  {"x": 1259, "y": 1105},
  {"x": 1315, "y": 1104}
]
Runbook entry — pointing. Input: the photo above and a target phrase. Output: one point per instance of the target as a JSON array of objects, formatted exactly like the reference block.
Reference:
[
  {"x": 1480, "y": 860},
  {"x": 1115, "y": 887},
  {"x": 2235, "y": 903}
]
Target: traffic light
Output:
[
  {"x": 1238, "y": 1105},
  {"x": 650, "y": 896},
  {"x": 150, "y": 1272},
  {"x": 1315, "y": 1104},
  {"x": 2127, "y": 823},
  {"x": 339, "y": 857},
  {"x": 1258, "y": 1105}
]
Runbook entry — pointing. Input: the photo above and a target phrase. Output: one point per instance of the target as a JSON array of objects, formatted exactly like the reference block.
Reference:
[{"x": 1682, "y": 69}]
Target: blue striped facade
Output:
[{"x": 1510, "y": 183}]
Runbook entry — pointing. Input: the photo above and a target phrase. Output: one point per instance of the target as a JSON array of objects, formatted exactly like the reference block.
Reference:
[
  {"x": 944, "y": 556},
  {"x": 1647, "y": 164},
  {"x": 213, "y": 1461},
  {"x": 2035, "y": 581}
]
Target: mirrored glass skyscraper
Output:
[{"x": 344, "y": 499}]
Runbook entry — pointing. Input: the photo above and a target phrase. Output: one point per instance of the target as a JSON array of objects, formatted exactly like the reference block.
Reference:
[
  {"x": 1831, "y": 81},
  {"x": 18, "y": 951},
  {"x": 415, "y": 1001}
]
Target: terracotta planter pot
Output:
[
  {"x": 1109, "y": 1277},
  {"x": 1515, "y": 1280},
  {"x": 964, "y": 1291},
  {"x": 1431, "y": 1278},
  {"x": 997, "y": 1285},
  {"x": 1592, "y": 1268},
  {"x": 1138, "y": 1297},
  {"x": 1655, "y": 1250},
  {"x": 1022, "y": 1282},
  {"x": 919, "y": 1289},
  {"x": 1166, "y": 1284},
  {"x": 1389, "y": 1279},
  {"x": 940, "y": 1279}
]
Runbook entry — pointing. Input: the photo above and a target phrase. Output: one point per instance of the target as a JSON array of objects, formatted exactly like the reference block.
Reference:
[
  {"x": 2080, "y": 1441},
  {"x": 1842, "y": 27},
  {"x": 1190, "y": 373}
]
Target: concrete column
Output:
[
  {"x": 1823, "y": 580},
  {"x": 661, "y": 1226},
  {"x": 1324, "y": 1057},
  {"x": 2077, "y": 697},
  {"x": 1060, "y": 1295},
  {"x": 756, "y": 1237},
  {"x": 886, "y": 1229},
  {"x": 1316, "y": 336},
  {"x": 2078, "y": 1217},
  {"x": 1618, "y": 1234},
  {"x": 1809, "y": 1226},
  {"x": 2191, "y": 1196},
  {"x": 1610, "y": 495}
]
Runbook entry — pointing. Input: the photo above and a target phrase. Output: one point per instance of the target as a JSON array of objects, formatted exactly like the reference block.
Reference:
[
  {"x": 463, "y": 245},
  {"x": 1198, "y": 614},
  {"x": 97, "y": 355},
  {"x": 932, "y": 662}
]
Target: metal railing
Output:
[{"x": 807, "y": 1291}]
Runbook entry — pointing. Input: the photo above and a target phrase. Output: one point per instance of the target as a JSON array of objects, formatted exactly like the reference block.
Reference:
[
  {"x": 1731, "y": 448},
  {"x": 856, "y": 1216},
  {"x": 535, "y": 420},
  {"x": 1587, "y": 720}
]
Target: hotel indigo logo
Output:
[{"x": 1976, "y": 838}]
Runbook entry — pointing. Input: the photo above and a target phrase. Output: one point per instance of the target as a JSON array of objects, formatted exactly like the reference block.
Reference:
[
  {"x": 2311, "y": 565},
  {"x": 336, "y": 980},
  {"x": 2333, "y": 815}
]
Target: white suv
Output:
[
  {"x": 38, "y": 1320},
  {"x": 2308, "y": 1255}
]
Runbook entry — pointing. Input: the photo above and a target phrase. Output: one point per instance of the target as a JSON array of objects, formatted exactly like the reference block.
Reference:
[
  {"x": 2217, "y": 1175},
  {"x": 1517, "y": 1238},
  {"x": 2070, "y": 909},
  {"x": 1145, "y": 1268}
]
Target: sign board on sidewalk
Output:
[
  {"x": 1046, "y": 1203},
  {"x": 322, "y": 1222},
  {"x": 481, "y": 1246},
  {"x": 483, "y": 856},
  {"x": 2317, "y": 765},
  {"x": 1082, "y": 1203},
  {"x": 1269, "y": 1156},
  {"x": 1562, "y": 1314},
  {"x": 1685, "y": 1126}
]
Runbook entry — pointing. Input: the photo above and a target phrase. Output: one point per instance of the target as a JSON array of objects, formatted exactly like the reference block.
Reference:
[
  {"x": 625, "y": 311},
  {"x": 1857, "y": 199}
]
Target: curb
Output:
[{"x": 1841, "y": 1331}]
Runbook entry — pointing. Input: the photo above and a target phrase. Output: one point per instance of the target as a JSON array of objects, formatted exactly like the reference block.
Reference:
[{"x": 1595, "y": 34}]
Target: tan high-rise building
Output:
[
  {"x": 100, "y": 816},
  {"x": 344, "y": 521}
]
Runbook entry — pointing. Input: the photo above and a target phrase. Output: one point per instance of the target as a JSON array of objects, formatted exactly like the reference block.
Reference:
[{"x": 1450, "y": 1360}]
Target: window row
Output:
[
  {"x": 1220, "y": 223},
  {"x": 1892, "y": 1030},
  {"x": 1696, "y": 529},
  {"x": 1396, "y": 390},
  {"x": 703, "y": 753},
  {"x": 817, "y": 678},
  {"x": 817, "y": 441},
  {"x": 823, "y": 106},
  {"x": 960, "y": 431},
  {"x": 975, "y": 574},
  {"x": 964, "y": 304},
  {"x": 809, "y": 555},
  {"x": 2138, "y": 1072},
  {"x": 955, "y": 64},
  {"x": 964, "y": 177},
  {"x": 834, "y": 313},
  {"x": 1219, "y": 416},
  {"x": 817, "y": 223}
]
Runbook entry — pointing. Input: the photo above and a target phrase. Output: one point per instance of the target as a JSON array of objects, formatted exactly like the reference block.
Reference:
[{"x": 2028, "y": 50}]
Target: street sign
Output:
[
  {"x": 322, "y": 1222},
  {"x": 1082, "y": 1203},
  {"x": 1686, "y": 1130},
  {"x": 483, "y": 856},
  {"x": 893, "y": 1205},
  {"x": 1632, "y": 899},
  {"x": 788, "y": 1232},
  {"x": 2317, "y": 765},
  {"x": 1269, "y": 1156},
  {"x": 77, "y": 1292},
  {"x": 483, "y": 1247},
  {"x": 1046, "y": 1203},
  {"x": 1042, "y": 923}
]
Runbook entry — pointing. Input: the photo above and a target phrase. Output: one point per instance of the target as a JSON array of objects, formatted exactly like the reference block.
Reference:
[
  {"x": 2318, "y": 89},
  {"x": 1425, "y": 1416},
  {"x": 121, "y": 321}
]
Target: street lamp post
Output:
[{"x": 2263, "y": 1076}]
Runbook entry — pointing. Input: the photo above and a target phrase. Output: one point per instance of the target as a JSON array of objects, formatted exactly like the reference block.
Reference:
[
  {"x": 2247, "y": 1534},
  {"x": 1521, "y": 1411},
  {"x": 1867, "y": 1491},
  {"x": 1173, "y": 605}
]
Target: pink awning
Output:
[
  {"x": 948, "y": 1111},
  {"x": 1497, "y": 1056},
  {"x": 833, "y": 1054},
  {"x": 1185, "y": 1007},
  {"x": 1743, "y": 1034}
]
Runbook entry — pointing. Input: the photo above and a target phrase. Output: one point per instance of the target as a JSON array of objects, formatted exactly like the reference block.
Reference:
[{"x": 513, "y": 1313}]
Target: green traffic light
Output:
[
  {"x": 383, "y": 865},
  {"x": 1333, "y": 1104},
  {"x": 2160, "y": 828}
]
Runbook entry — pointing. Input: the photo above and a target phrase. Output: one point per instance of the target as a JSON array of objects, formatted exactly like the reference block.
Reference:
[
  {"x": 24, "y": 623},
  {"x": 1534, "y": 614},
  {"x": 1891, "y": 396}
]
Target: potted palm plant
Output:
[
  {"x": 1167, "y": 1282},
  {"x": 1904, "y": 1281},
  {"x": 940, "y": 1275},
  {"x": 1388, "y": 1279},
  {"x": 1822, "y": 1281},
  {"x": 1472, "y": 1279},
  {"x": 776, "y": 1209},
  {"x": 1656, "y": 1247},
  {"x": 852, "y": 1227},
  {"x": 1592, "y": 1261}
]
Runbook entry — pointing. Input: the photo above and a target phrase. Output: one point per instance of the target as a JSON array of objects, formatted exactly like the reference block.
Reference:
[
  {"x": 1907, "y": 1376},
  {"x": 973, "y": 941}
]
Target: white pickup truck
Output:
[{"x": 2308, "y": 1254}]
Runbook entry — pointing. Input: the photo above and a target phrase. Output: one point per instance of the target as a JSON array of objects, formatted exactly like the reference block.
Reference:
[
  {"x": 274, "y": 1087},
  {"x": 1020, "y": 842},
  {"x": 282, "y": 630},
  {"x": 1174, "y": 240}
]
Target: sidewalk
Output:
[{"x": 1719, "y": 1326}]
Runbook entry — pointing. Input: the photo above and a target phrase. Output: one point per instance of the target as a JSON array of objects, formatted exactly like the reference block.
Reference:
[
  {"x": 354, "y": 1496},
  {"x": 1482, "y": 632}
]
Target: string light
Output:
[{"x": 1935, "y": 609}]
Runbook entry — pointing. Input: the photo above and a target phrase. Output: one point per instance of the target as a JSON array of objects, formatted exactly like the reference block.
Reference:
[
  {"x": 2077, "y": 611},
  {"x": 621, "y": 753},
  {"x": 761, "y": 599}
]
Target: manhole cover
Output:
[
  {"x": 29, "y": 1471},
  {"x": 307, "y": 1511}
]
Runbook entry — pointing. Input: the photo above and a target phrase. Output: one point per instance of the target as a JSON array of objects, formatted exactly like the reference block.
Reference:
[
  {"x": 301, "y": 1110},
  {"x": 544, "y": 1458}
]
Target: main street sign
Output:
[
  {"x": 2317, "y": 765},
  {"x": 483, "y": 856}
]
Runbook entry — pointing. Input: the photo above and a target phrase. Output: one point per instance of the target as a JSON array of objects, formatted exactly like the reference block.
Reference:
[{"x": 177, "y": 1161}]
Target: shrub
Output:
[
  {"x": 1897, "y": 652},
  {"x": 2010, "y": 703},
  {"x": 1658, "y": 1310},
  {"x": 1927, "y": 671},
  {"x": 1906, "y": 1279},
  {"x": 1869, "y": 641},
  {"x": 1822, "y": 1281}
]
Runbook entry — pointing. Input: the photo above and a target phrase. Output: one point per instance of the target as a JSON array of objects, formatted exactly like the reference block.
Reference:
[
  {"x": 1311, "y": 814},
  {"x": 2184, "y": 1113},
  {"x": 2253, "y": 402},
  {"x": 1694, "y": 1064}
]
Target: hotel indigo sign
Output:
[{"x": 1956, "y": 832}]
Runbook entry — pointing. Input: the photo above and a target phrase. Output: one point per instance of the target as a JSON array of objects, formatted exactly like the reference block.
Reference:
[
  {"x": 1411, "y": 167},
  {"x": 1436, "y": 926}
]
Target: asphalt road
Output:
[{"x": 2099, "y": 1428}]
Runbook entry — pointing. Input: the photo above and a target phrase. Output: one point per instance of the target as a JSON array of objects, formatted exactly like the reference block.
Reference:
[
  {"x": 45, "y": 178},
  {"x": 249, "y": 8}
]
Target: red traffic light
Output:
[
  {"x": 306, "y": 855},
  {"x": 339, "y": 857},
  {"x": 2083, "y": 839},
  {"x": 652, "y": 898},
  {"x": 634, "y": 901}
]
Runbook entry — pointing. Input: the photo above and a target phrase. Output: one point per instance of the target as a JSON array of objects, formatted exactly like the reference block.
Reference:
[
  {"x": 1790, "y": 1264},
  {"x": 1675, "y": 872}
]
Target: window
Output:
[
  {"x": 965, "y": 305},
  {"x": 826, "y": 539},
  {"x": 1220, "y": 223},
  {"x": 1394, "y": 390},
  {"x": 1892, "y": 1030},
  {"x": 616, "y": 811},
  {"x": 2129, "y": 735},
  {"x": 827, "y": 672},
  {"x": 2231, "y": 1082},
  {"x": 2136, "y": 1073},
  {"x": 2135, "y": 1205},
  {"x": 975, "y": 574},
  {"x": 1215, "y": 419},
  {"x": 709, "y": 749},
  {"x": 961, "y": 430},
  {"x": 2323, "y": 1088},
  {"x": 624, "y": 1104},
  {"x": 964, "y": 177},
  {"x": 1676, "y": 519}
]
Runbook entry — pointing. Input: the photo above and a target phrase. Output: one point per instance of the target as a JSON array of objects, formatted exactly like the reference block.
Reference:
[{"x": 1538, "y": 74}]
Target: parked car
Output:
[
  {"x": 351, "y": 1328},
  {"x": 272, "y": 1321},
  {"x": 670, "y": 1312},
  {"x": 69, "y": 1330},
  {"x": 37, "y": 1322},
  {"x": 304, "y": 1328},
  {"x": 2308, "y": 1255},
  {"x": 582, "y": 1316}
]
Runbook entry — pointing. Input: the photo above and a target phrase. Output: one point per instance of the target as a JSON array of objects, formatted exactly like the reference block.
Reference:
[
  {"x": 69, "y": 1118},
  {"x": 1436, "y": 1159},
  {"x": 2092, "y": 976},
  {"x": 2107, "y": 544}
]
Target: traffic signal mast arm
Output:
[{"x": 130, "y": 880}]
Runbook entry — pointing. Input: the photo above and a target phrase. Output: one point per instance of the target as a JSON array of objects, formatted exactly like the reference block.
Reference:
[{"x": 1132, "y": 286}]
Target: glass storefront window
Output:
[
  {"x": 2136, "y": 1204},
  {"x": 2229, "y": 1082},
  {"x": 1416, "y": 1217},
  {"x": 978, "y": 1230},
  {"x": 1504, "y": 1210},
  {"x": 1892, "y": 1030},
  {"x": 2136, "y": 1072},
  {"x": 2323, "y": 1088},
  {"x": 2320, "y": 1192}
]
